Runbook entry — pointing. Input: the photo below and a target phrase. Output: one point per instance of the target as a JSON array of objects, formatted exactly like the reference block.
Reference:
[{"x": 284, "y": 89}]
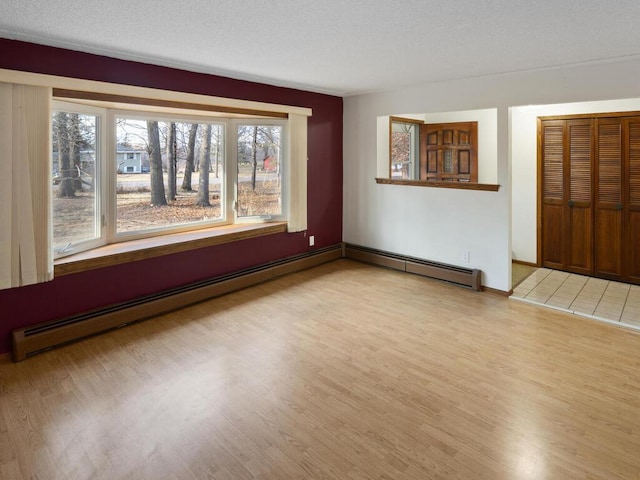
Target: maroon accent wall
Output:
[{"x": 69, "y": 294}]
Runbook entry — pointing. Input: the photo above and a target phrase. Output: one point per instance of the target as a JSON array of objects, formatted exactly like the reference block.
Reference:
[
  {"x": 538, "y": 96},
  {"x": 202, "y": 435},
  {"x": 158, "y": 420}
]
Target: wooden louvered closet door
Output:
[
  {"x": 567, "y": 203},
  {"x": 608, "y": 243},
  {"x": 553, "y": 231},
  {"x": 631, "y": 265},
  {"x": 590, "y": 192},
  {"x": 579, "y": 202}
]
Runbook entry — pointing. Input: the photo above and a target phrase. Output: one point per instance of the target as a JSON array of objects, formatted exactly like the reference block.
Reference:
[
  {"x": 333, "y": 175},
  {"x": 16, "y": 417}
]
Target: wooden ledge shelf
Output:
[
  {"x": 487, "y": 187},
  {"x": 134, "y": 250}
]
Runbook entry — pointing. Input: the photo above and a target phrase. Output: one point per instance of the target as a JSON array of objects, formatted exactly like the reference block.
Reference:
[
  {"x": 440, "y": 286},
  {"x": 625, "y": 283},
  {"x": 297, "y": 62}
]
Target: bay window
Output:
[
  {"x": 121, "y": 175},
  {"x": 125, "y": 173}
]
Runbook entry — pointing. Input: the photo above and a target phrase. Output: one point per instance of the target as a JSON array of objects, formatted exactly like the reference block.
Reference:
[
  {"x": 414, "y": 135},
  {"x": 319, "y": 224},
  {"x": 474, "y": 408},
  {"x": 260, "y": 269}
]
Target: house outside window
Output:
[{"x": 152, "y": 174}]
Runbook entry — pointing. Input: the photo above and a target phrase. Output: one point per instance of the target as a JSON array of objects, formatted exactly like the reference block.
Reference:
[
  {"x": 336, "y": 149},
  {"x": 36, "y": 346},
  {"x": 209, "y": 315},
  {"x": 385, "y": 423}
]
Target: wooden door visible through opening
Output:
[{"x": 448, "y": 152}]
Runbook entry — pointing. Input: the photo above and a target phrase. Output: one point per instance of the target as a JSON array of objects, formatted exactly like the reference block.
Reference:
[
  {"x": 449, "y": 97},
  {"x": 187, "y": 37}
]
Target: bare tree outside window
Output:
[
  {"x": 172, "y": 162},
  {"x": 205, "y": 165},
  {"x": 74, "y": 169},
  {"x": 404, "y": 148},
  {"x": 158, "y": 197},
  {"x": 259, "y": 175},
  {"x": 161, "y": 173},
  {"x": 189, "y": 161}
]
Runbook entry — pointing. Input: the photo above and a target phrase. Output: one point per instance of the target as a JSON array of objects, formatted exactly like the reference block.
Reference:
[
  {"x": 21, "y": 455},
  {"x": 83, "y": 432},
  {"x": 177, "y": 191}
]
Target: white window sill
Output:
[{"x": 134, "y": 250}]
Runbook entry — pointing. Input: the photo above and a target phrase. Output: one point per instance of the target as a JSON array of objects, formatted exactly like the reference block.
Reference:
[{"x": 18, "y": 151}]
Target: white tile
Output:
[
  {"x": 631, "y": 312},
  {"x": 520, "y": 292},
  {"x": 607, "y": 315},
  {"x": 634, "y": 294},
  {"x": 597, "y": 284},
  {"x": 568, "y": 291},
  {"x": 577, "y": 279},
  {"x": 609, "y": 310},
  {"x": 559, "y": 302},
  {"x": 538, "y": 297},
  {"x": 529, "y": 283},
  {"x": 589, "y": 297},
  {"x": 617, "y": 291},
  {"x": 612, "y": 309},
  {"x": 630, "y": 319},
  {"x": 584, "y": 310}
]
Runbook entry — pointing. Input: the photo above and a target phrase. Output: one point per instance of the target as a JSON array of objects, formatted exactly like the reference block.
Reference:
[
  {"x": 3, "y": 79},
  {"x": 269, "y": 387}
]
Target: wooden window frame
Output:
[
  {"x": 126, "y": 252},
  {"x": 411, "y": 121},
  {"x": 99, "y": 251}
]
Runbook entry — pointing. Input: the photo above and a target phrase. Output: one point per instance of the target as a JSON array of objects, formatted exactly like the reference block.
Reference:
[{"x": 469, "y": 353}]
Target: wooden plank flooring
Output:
[{"x": 345, "y": 371}]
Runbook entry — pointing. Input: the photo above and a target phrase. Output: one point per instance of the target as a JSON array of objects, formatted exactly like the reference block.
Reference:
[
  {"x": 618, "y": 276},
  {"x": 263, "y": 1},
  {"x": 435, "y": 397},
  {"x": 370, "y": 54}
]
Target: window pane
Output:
[
  {"x": 259, "y": 170},
  {"x": 75, "y": 163},
  {"x": 168, "y": 174},
  {"x": 403, "y": 150}
]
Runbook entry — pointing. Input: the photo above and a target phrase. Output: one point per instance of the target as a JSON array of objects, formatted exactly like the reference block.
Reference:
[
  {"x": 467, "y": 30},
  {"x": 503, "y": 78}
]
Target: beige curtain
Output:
[
  {"x": 25, "y": 185},
  {"x": 297, "y": 204}
]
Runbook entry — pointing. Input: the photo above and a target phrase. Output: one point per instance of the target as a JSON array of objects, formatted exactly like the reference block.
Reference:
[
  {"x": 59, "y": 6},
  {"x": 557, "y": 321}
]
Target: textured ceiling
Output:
[{"x": 342, "y": 47}]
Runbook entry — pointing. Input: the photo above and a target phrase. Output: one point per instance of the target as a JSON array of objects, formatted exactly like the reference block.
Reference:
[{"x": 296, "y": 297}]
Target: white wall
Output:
[
  {"x": 441, "y": 224},
  {"x": 524, "y": 164}
]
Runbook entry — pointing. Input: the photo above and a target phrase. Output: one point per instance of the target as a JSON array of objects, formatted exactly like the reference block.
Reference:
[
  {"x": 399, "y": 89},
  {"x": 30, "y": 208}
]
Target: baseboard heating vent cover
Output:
[
  {"x": 44, "y": 336},
  {"x": 466, "y": 277}
]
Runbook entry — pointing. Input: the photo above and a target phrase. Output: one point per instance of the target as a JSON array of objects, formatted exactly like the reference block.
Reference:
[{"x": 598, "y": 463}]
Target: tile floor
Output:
[{"x": 591, "y": 297}]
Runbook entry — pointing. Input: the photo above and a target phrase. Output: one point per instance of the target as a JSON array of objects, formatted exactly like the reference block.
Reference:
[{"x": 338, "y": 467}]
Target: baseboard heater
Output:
[
  {"x": 45, "y": 336},
  {"x": 467, "y": 277}
]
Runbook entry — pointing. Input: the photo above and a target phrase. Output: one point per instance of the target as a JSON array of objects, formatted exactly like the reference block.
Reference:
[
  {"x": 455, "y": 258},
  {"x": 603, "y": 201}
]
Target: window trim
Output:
[
  {"x": 142, "y": 249},
  {"x": 214, "y": 103},
  {"x": 412, "y": 121},
  {"x": 106, "y": 208},
  {"x": 233, "y": 164},
  {"x": 106, "y": 98},
  {"x": 112, "y": 235},
  {"x": 100, "y": 170}
]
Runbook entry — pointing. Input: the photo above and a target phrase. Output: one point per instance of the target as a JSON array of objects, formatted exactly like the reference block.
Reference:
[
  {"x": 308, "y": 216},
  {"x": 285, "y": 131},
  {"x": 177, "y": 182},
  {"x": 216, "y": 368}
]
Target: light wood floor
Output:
[{"x": 345, "y": 371}]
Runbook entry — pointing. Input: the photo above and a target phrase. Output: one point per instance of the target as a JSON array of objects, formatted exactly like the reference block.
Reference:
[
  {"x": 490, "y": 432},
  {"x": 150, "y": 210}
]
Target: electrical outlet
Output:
[
  {"x": 312, "y": 240},
  {"x": 466, "y": 257}
]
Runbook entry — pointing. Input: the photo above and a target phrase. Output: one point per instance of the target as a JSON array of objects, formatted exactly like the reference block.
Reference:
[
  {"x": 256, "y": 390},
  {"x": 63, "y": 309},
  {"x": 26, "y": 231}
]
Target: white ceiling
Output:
[{"x": 341, "y": 47}]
